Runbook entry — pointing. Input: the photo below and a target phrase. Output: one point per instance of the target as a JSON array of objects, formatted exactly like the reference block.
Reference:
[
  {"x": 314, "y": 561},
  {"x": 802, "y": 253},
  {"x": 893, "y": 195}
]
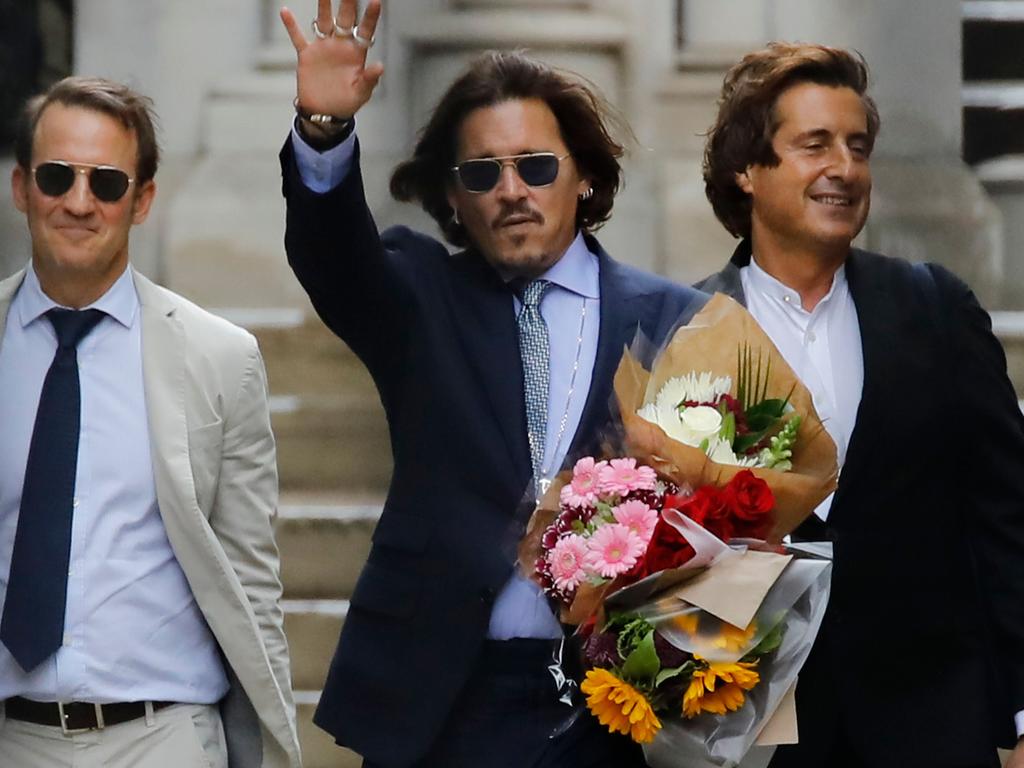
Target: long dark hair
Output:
[{"x": 498, "y": 76}]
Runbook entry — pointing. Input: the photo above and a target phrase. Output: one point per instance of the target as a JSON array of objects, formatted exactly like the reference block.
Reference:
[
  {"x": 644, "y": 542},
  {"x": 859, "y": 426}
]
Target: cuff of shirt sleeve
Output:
[
  {"x": 322, "y": 171},
  {"x": 1018, "y": 721}
]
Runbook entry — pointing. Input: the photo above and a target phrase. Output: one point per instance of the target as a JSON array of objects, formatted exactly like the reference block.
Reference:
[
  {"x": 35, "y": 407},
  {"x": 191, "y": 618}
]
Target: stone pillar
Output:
[{"x": 927, "y": 204}]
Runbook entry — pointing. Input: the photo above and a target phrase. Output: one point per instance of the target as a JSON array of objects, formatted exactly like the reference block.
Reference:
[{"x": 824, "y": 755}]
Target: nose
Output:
[
  {"x": 843, "y": 164},
  {"x": 79, "y": 199},
  {"x": 510, "y": 186}
]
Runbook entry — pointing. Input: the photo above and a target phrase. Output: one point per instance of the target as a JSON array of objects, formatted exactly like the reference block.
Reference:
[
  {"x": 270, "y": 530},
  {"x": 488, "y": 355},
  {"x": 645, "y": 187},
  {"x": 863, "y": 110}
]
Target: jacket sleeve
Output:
[{"x": 989, "y": 434}]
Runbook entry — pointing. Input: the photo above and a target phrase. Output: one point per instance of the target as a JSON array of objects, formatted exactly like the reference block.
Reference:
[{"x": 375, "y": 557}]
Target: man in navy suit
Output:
[
  {"x": 919, "y": 660},
  {"x": 494, "y": 366}
]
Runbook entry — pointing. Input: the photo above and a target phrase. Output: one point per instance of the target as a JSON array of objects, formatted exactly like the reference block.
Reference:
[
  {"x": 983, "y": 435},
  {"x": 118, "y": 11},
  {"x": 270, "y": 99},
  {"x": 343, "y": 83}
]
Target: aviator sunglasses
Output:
[
  {"x": 55, "y": 177},
  {"x": 538, "y": 169}
]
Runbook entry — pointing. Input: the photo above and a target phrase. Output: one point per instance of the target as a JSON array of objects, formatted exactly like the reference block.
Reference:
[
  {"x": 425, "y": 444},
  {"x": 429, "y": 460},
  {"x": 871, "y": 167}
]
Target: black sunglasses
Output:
[
  {"x": 56, "y": 177},
  {"x": 538, "y": 169}
]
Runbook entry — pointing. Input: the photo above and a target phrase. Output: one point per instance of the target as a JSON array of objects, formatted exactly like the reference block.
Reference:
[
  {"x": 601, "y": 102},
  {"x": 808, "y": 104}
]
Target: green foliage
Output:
[
  {"x": 770, "y": 642},
  {"x": 642, "y": 665},
  {"x": 780, "y": 450}
]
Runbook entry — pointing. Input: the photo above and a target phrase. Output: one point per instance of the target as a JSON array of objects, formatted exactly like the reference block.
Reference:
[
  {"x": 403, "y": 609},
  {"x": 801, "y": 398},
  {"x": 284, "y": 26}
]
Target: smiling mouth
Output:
[{"x": 836, "y": 201}]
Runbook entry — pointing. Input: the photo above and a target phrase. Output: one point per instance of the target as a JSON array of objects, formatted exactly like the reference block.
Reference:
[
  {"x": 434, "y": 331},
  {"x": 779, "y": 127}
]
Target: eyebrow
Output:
[{"x": 822, "y": 133}]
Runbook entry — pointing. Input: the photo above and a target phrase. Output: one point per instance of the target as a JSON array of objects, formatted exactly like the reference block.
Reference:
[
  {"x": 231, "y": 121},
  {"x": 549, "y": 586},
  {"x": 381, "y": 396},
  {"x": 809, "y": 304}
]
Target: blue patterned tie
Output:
[
  {"x": 32, "y": 626},
  {"x": 535, "y": 351}
]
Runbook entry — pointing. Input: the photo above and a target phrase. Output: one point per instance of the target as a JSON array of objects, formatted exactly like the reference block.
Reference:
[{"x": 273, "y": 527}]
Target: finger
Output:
[
  {"x": 294, "y": 33},
  {"x": 324, "y": 17},
  {"x": 368, "y": 26},
  {"x": 347, "y": 12}
]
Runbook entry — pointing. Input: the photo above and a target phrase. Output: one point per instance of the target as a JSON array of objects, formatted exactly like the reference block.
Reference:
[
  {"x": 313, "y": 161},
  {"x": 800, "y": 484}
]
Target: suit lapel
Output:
[
  {"x": 8, "y": 288},
  {"x": 881, "y": 357},
  {"x": 485, "y": 319},
  {"x": 621, "y": 313},
  {"x": 163, "y": 372}
]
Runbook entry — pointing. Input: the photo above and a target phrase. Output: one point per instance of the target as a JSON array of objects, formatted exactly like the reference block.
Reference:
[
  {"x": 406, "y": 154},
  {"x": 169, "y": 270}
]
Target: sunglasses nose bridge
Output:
[{"x": 510, "y": 182}]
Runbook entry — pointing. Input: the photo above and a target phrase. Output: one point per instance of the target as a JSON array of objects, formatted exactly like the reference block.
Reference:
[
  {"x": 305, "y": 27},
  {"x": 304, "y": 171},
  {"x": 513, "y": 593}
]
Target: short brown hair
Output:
[
  {"x": 499, "y": 76},
  {"x": 746, "y": 124},
  {"x": 131, "y": 109}
]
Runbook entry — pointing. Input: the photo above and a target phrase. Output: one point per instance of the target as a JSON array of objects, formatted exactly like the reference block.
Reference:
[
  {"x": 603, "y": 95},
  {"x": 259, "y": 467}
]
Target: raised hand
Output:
[{"x": 332, "y": 75}]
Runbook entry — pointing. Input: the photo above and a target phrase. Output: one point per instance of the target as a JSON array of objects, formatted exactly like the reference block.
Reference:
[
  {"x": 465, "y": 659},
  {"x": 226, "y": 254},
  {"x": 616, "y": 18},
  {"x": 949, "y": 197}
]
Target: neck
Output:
[
  {"x": 75, "y": 293},
  {"x": 809, "y": 273}
]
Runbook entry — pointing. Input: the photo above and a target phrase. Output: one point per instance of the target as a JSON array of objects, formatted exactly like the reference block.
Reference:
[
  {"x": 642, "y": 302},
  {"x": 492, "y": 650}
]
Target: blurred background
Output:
[{"x": 948, "y": 169}]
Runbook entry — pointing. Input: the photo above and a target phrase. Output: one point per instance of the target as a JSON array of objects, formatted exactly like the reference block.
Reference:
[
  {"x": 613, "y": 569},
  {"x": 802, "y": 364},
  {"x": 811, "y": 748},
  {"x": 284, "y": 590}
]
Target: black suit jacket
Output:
[
  {"x": 920, "y": 660},
  {"x": 438, "y": 334}
]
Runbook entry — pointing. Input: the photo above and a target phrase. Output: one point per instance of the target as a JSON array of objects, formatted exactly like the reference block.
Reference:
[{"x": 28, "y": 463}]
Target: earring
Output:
[
  {"x": 455, "y": 217},
  {"x": 588, "y": 194}
]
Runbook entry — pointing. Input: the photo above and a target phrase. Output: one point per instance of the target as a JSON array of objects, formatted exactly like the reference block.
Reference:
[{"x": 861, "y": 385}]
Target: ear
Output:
[
  {"x": 743, "y": 181},
  {"x": 143, "y": 201},
  {"x": 19, "y": 187}
]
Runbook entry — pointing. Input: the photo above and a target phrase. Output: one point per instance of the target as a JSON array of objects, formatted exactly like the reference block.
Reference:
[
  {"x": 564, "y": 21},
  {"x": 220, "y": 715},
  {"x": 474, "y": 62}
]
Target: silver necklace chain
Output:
[{"x": 545, "y": 479}]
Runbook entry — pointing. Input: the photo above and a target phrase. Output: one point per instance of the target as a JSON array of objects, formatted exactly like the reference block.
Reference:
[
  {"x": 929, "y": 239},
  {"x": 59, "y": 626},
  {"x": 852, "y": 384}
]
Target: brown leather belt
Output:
[{"x": 77, "y": 715}]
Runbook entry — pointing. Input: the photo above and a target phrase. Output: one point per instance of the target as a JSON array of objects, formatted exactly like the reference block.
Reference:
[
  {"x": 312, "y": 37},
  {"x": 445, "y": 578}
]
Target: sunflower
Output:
[
  {"x": 620, "y": 706},
  {"x": 733, "y": 638},
  {"x": 719, "y": 688}
]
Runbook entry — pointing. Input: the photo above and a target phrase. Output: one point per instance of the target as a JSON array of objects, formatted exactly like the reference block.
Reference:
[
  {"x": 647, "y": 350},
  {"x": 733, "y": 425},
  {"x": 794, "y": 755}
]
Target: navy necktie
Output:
[{"x": 32, "y": 626}]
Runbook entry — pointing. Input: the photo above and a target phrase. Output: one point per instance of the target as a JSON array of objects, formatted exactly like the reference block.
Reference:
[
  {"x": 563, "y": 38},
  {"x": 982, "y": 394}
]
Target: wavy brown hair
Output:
[
  {"x": 497, "y": 76},
  {"x": 133, "y": 110},
  {"x": 746, "y": 124}
]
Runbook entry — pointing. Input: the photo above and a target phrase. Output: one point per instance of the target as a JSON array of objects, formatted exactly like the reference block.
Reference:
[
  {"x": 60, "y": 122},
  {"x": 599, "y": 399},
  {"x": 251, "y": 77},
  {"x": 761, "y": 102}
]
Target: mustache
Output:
[{"x": 516, "y": 214}]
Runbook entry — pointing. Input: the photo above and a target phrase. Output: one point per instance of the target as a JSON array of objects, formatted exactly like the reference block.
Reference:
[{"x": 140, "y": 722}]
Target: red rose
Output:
[
  {"x": 749, "y": 496},
  {"x": 667, "y": 549}
]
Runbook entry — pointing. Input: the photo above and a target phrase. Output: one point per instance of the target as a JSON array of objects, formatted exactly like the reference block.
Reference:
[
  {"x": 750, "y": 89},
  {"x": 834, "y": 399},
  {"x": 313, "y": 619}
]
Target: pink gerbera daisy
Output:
[
  {"x": 620, "y": 476},
  {"x": 638, "y": 517},
  {"x": 585, "y": 485},
  {"x": 567, "y": 559},
  {"x": 613, "y": 549}
]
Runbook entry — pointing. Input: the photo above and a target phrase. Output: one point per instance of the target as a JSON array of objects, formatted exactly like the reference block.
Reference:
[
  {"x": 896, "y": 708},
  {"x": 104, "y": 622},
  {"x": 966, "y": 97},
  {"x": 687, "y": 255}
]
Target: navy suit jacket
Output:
[
  {"x": 920, "y": 660},
  {"x": 438, "y": 334}
]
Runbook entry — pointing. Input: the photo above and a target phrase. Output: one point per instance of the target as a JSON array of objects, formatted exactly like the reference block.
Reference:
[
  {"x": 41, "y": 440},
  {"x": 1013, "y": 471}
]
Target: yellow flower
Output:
[
  {"x": 733, "y": 638},
  {"x": 686, "y": 622},
  {"x": 719, "y": 688},
  {"x": 620, "y": 706}
]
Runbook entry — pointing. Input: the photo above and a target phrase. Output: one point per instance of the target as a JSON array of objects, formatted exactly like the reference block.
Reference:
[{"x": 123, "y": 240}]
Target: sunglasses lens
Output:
[
  {"x": 54, "y": 179},
  {"x": 108, "y": 184},
  {"x": 479, "y": 175},
  {"x": 538, "y": 170}
]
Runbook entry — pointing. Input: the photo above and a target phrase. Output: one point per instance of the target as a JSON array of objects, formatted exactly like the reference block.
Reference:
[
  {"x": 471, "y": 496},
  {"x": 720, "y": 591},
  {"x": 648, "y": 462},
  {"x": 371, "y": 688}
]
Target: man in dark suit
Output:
[
  {"x": 493, "y": 365},
  {"x": 919, "y": 660}
]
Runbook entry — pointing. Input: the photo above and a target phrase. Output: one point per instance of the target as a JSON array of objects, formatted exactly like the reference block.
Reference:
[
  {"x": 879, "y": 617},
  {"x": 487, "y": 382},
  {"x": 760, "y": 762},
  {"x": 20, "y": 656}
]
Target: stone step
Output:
[
  {"x": 312, "y": 627},
  {"x": 318, "y": 748},
  {"x": 324, "y": 541},
  {"x": 1009, "y": 328}
]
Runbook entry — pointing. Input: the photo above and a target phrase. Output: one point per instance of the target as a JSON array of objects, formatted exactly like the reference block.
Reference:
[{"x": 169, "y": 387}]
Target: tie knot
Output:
[
  {"x": 534, "y": 291},
  {"x": 72, "y": 326}
]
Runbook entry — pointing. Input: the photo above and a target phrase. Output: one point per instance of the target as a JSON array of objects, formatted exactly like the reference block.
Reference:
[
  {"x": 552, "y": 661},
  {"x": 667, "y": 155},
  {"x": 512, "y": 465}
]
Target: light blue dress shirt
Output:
[
  {"x": 520, "y": 609},
  {"x": 133, "y": 631}
]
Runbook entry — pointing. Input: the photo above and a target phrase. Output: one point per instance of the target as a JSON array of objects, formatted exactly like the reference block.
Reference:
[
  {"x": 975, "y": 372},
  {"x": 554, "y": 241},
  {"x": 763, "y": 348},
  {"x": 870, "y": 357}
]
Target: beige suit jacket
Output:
[{"x": 216, "y": 484}]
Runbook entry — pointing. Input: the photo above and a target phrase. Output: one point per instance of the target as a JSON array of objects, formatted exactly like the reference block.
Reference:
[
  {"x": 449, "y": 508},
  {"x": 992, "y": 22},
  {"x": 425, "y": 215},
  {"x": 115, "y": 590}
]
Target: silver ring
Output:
[
  {"x": 362, "y": 42},
  {"x": 321, "y": 35},
  {"x": 343, "y": 31}
]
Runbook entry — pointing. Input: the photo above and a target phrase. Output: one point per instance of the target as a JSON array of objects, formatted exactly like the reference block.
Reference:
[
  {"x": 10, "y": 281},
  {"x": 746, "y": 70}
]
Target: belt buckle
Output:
[{"x": 100, "y": 725}]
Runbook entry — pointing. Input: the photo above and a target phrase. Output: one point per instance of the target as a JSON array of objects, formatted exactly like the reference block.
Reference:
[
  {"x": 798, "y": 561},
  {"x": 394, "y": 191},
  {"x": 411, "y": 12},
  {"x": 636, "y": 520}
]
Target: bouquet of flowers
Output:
[{"x": 692, "y": 646}]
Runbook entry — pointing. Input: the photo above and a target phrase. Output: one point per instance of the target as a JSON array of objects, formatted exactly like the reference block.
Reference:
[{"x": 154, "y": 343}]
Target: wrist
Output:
[{"x": 320, "y": 131}]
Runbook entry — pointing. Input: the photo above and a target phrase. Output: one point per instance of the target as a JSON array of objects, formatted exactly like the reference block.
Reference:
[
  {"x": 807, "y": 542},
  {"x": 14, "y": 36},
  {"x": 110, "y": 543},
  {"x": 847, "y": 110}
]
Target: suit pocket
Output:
[
  {"x": 204, "y": 455},
  {"x": 386, "y": 590}
]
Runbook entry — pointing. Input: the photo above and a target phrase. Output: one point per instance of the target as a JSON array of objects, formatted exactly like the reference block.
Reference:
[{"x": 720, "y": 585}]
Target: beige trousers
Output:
[{"x": 180, "y": 736}]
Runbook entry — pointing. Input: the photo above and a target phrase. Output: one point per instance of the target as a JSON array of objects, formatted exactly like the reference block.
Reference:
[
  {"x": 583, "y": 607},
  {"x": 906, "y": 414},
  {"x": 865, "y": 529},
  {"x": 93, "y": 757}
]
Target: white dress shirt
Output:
[
  {"x": 133, "y": 631},
  {"x": 823, "y": 348},
  {"x": 520, "y": 609}
]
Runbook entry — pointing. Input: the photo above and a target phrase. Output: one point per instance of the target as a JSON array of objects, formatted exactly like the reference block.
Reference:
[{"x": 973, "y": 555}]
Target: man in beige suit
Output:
[{"x": 139, "y": 577}]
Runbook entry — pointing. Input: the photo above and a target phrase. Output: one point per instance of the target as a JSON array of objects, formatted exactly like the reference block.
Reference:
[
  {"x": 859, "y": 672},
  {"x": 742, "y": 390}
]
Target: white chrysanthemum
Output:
[
  {"x": 693, "y": 387},
  {"x": 720, "y": 452}
]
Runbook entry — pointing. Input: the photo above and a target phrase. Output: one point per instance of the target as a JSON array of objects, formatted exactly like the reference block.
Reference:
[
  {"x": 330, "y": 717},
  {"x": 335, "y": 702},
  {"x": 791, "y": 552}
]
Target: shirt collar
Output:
[
  {"x": 577, "y": 270},
  {"x": 769, "y": 286},
  {"x": 120, "y": 301}
]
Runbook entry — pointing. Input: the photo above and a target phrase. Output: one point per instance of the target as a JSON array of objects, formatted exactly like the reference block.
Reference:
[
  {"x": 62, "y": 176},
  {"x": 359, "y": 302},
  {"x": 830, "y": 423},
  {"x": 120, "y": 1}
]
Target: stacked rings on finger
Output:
[
  {"x": 322, "y": 35},
  {"x": 362, "y": 42}
]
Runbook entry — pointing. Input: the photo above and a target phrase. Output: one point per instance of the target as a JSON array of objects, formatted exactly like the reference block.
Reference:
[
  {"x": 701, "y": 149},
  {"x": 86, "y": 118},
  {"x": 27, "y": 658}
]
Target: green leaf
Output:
[
  {"x": 642, "y": 663},
  {"x": 770, "y": 642},
  {"x": 728, "y": 429},
  {"x": 668, "y": 674},
  {"x": 773, "y": 407}
]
